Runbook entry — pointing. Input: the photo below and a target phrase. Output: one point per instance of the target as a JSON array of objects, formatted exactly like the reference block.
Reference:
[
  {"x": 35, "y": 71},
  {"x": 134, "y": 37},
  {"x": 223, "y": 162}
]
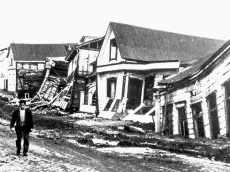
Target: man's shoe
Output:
[
  {"x": 18, "y": 152},
  {"x": 25, "y": 154}
]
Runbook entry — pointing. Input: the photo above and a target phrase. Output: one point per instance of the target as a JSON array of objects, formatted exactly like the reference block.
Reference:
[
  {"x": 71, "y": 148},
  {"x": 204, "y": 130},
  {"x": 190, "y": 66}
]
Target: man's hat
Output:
[{"x": 22, "y": 101}]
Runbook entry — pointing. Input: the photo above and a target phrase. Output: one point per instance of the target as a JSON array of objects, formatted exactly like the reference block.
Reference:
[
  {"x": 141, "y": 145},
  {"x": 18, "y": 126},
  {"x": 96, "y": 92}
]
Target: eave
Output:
[{"x": 139, "y": 67}]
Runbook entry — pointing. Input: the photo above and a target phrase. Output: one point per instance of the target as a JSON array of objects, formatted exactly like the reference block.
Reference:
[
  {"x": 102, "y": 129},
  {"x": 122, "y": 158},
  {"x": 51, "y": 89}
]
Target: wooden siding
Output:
[{"x": 202, "y": 88}]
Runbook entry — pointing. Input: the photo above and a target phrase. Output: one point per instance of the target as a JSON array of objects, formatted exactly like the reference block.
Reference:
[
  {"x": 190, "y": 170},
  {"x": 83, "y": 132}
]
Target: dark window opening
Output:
[
  {"x": 148, "y": 91},
  {"x": 213, "y": 115},
  {"x": 113, "y": 50},
  {"x": 11, "y": 62},
  {"x": 111, "y": 87}
]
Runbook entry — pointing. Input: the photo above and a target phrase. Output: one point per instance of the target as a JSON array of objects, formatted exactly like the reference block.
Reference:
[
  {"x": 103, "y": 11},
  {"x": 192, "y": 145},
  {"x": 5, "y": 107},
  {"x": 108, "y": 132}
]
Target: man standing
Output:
[{"x": 22, "y": 117}]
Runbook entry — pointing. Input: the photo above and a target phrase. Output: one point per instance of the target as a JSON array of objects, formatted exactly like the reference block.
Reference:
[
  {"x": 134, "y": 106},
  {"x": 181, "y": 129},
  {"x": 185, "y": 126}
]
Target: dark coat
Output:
[{"x": 16, "y": 119}]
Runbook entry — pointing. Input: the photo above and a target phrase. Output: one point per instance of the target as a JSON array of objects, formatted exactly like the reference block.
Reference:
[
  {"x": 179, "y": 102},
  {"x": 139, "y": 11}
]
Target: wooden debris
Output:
[{"x": 134, "y": 129}]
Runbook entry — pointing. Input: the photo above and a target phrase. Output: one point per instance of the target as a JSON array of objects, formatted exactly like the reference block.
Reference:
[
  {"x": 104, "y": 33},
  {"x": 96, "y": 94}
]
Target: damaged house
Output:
[
  {"x": 26, "y": 70},
  {"x": 132, "y": 61},
  {"x": 54, "y": 82},
  {"x": 199, "y": 97},
  {"x": 81, "y": 74}
]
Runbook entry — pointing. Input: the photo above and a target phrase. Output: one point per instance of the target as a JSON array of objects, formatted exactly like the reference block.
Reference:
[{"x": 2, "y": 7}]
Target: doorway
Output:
[
  {"x": 183, "y": 124},
  {"x": 198, "y": 120},
  {"x": 167, "y": 120},
  {"x": 227, "y": 106},
  {"x": 134, "y": 93},
  {"x": 213, "y": 115}
]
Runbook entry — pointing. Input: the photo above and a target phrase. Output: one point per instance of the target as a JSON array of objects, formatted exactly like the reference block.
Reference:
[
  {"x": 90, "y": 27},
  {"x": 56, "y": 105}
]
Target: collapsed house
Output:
[
  {"x": 53, "y": 83},
  {"x": 26, "y": 69},
  {"x": 197, "y": 99},
  {"x": 132, "y": 61}
]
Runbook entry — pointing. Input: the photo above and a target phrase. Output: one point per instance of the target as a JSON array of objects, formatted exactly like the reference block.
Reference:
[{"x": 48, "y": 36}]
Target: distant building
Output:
[
  {"x": 26, "y": 68},
  {"x": 3, "y": 68}
]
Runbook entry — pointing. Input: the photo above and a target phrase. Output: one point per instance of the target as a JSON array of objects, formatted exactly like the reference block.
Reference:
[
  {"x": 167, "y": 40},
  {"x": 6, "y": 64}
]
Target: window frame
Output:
[
  {"x": 109, "y": 81},
  {"x": 113, "y": 42}
]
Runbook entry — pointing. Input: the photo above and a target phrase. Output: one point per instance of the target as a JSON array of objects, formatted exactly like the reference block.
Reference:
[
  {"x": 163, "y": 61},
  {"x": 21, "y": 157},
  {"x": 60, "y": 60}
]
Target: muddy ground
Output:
[
  {"x": 121, "y": 145},
  {"x": 49, "y": 153}
]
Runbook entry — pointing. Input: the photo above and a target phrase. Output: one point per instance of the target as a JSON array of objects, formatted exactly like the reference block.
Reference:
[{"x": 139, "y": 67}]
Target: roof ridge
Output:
[
  {"x": 169, "y": 32},
  {"x": 44, "y": 44},
  {"x": 144, "y": 44}
]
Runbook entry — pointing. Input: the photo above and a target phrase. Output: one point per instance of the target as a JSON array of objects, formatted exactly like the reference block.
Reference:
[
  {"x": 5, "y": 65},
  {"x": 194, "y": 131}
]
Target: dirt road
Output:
[{"x": 47, "y": 155}]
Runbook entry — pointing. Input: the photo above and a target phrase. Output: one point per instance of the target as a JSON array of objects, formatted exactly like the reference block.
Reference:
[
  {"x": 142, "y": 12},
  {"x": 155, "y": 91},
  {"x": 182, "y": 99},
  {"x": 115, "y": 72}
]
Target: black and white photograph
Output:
[{"x": 114, "y": 86}]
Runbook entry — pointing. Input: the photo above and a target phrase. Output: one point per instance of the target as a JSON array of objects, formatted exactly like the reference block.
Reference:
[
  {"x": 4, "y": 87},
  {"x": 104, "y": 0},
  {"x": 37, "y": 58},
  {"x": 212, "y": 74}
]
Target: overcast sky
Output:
[{"x": 66, "y": 21}]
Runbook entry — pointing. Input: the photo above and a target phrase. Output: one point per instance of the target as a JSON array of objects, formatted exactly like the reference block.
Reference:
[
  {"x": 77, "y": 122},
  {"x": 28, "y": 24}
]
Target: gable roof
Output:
[
  {"x": 198, "y": 66},
  {"x": 38, "y": 52},
  {"x": 142, "y": 44}
]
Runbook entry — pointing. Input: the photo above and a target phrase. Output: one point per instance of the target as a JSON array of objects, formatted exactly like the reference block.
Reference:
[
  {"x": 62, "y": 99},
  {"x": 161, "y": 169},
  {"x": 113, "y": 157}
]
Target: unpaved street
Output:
[{"x": 46, "y": 155}]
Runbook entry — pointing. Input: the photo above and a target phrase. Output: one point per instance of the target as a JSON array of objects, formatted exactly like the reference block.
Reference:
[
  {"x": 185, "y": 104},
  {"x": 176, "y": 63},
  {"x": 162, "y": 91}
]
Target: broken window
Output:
[
  {"x": 19, "y": 66},
  {"x": 113, "y": 49},
  {"x": 26, "y": 66},
  {"x": 213, "y": 115},
  {"x": 33, "y": 66},
  {"x": 111, "y": 87},
  {"x": 41, "y": 66}
]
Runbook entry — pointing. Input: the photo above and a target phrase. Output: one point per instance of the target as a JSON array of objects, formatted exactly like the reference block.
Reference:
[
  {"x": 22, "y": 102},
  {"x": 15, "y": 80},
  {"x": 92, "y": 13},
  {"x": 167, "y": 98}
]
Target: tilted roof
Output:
[
  {"x": 142, "y": 44},
  {"x": 186, "y": 73},
  {"x": 38, "y": 52},
  {"x": 87, "y": 38},
  {"x": 196, "y": 67}
]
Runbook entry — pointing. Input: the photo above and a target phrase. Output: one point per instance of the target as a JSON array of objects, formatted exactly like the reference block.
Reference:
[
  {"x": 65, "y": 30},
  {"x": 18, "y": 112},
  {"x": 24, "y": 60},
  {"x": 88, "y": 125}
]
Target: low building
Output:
[{"x": 197, "y": 99}]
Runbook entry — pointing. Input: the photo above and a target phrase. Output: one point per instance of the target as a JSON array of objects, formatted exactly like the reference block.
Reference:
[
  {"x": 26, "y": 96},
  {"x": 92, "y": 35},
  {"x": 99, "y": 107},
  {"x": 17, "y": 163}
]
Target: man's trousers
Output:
[{"x": 22, "y": 132}]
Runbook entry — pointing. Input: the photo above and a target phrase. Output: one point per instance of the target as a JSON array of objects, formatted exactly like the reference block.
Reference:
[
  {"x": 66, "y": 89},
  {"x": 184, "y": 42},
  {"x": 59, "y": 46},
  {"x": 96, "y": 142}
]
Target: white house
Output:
[{"x": 133, "y": 60}]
